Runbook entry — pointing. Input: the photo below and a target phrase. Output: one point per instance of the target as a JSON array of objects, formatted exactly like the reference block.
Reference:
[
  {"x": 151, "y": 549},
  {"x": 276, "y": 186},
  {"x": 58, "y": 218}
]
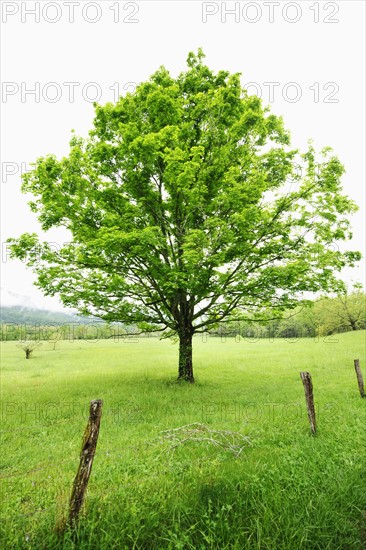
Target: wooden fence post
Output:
[
  {"x": 359, "y": 377},
  {"x": 308, "y": 387},
  {"x": 86, "y": 460}
]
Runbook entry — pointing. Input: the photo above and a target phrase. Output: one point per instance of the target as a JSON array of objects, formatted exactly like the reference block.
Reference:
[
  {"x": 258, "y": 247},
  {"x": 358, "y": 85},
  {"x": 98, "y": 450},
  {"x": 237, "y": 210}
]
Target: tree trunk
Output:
[
  {"x": 28, "y": 353},
  {"x": 185, "y": 371}
]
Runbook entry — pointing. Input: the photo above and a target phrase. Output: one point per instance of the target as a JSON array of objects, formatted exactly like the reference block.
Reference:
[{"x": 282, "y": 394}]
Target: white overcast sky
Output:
[{"x": 68, "y": 52}]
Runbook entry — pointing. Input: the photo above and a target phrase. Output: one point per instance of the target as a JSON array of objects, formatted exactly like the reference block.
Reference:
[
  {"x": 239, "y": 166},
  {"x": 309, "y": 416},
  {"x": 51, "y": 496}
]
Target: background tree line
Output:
[
  {"x": 323, "y": 317},
  {"x": 54, "y": 332}
]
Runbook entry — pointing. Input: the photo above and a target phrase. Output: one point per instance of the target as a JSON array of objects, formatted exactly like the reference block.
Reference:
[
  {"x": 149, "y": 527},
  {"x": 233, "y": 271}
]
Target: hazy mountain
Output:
[{"x": 21, "y": 314}]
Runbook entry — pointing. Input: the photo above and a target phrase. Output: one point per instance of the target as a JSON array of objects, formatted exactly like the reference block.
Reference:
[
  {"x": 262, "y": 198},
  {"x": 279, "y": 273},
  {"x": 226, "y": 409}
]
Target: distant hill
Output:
[{"x": 21, "y": 314}]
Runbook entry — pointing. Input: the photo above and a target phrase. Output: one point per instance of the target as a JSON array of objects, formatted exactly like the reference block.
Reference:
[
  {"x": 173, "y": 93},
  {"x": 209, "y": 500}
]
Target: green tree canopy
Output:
[
  {"x": 186, "y": 207},
  {"x": 346, "y": 311}
]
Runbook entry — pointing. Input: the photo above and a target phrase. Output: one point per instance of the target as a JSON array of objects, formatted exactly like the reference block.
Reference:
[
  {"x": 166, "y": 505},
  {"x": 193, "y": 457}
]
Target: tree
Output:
[
  {"x": 346, "y": 311},
  {"x": 181, "y": 212},
  {"x": 350, "y": 309},
  {"x": 29, "y": 347}
]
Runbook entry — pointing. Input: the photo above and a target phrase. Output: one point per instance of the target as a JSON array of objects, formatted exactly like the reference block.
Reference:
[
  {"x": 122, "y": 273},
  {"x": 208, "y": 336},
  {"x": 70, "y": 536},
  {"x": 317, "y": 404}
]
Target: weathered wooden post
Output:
[
  {"x": 86, "y": 460},
  {"x": 359, "y": 377},
  {"x": 308, "y": 387}
]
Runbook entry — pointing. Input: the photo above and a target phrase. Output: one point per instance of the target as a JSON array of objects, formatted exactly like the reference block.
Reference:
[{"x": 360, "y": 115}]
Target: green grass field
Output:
[{"x": 286, "y": 490}]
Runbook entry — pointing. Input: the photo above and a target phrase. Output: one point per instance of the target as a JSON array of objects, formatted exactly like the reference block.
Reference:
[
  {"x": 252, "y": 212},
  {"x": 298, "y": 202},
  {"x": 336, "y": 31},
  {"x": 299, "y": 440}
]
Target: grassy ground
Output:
[{"x": 287, "y": 490}]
